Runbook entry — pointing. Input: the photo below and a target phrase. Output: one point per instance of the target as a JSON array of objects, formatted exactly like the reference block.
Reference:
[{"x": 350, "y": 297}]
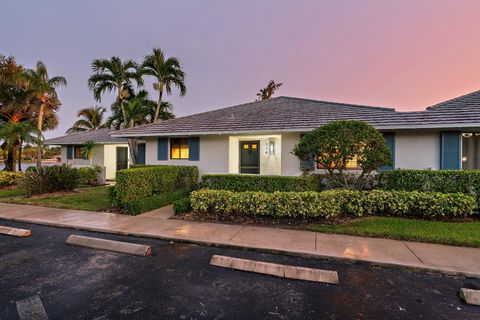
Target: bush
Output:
[
  {"x": 332, "y": 203},
  {"x": 49, "y": 179},
  {"x": 446, "y": 181},
  {"x": 182, "y": 205},
  {"x": 88, "y": 175},
  {"x": 153, "y": 202},
  {"x": 241, "y": 183},
  {"x": 144, "y": 182},
  {"x": 8, "y": 178}
]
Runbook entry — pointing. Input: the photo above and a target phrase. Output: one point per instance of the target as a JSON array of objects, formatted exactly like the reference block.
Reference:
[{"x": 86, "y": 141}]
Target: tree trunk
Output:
[
  {"x": 10, "y": 164},
  {"x": 40, "y": 127},
  {"x": 132, "y": 147},
  {"x": 159, "y": 103},
  {"x": 20, "y": 156}
]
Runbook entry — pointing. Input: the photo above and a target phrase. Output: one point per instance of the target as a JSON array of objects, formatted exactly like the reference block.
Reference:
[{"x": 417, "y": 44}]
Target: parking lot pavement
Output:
[{"x": 177, "y": 282}]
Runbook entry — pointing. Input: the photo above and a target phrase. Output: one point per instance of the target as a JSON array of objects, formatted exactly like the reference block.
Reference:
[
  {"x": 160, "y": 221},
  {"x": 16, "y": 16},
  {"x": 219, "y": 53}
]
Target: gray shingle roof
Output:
[
  {"x": 296, "y": 114},
  {"x": 100, "y": 136}
]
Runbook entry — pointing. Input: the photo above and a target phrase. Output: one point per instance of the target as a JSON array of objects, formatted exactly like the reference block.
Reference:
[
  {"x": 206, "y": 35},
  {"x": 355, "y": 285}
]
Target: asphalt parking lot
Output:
[{"x": 177, "y": 282}]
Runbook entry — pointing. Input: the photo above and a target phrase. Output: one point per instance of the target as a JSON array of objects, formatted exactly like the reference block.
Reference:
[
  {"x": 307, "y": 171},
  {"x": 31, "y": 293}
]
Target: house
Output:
[
  {"x": 111, "y": 154},
  {"x": 258, "y": 137}
]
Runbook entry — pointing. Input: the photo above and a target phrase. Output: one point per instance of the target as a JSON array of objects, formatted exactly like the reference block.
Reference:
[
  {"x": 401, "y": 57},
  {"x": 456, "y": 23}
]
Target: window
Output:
[
  {"x": 351, "y": 164},
  {"x": 471, "y": 150},
  {"x": 179, "y": 148},
  {"x": 77, "y": 152}
]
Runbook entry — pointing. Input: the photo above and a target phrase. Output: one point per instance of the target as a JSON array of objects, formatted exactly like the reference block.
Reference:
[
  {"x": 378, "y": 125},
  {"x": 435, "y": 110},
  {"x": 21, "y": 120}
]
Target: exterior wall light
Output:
[{"x": 272, "y": 147}]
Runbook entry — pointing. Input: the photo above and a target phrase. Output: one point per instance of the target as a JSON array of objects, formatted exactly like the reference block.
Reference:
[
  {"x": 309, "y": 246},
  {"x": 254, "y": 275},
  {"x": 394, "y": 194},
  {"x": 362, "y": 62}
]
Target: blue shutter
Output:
[
  {"x": 390, "y": 141},
  {"x": 141, "y": 153},
  {"x": 307, "y": 164},
  {"x": 69, "y": 152},
  {"x": 194, "y": 149},
  {"x": 162, "y": 149},
  {"x": 450, "y": 150}
]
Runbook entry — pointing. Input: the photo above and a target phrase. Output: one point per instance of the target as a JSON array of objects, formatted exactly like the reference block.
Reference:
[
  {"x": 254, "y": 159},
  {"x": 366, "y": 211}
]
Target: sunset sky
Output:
[{"x": 406, "y": 54}]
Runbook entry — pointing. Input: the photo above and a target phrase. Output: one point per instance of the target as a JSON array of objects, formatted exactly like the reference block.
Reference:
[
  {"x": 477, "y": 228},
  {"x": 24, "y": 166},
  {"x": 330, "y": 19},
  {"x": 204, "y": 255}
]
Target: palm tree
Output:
[
  {"x": 14, "y": 135},
  {"x": 267, "y": 92},
  {"x": 88, "y": 150},
  {"x": 114, "y": 75},
  {"x": 167, "y": 73},
  {"x": 44, "y": 90},
  {"x": 91, "y": 119}
]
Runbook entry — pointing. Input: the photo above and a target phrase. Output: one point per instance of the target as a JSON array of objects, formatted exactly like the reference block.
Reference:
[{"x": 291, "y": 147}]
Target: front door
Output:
[
  {"x": 249, "y": 157},
  {"x": 122, "y": 158}
]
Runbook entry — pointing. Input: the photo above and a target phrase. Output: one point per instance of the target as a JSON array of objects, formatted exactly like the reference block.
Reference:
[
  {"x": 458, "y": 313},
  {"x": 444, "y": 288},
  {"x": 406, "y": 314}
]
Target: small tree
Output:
[
  {"x": 267, "y": 92},
  {"x": 88, "y": 150},
  {"x": 333, "y": 145}
]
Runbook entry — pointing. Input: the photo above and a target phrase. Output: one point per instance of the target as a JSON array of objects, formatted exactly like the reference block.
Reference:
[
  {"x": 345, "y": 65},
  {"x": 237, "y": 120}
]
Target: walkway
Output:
[{"x": 423, "y": 256}]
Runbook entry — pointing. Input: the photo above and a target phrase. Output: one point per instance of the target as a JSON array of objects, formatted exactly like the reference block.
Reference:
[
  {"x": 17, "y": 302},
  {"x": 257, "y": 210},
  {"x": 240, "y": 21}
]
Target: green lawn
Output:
[
  {"x": 91, "y": 199},
  {"x": 452, "y": 233},
  {"x": 7, "y": 193}
]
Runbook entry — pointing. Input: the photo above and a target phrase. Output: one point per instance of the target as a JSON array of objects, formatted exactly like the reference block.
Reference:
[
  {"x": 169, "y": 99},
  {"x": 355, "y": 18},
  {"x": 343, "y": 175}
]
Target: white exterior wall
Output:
[
  {"x": 213, "y": 154},
  {"x": 290, "y": 163},
  {"x": 417, "y": 150}
]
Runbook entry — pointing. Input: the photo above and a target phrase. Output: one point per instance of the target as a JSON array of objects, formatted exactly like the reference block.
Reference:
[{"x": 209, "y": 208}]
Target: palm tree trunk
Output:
[
  {"x": 40, "y": 127},
  {"x": 20, "y": 156},
  {"x": 159, "y": 104},
  {"x": 132, "y": 147}
]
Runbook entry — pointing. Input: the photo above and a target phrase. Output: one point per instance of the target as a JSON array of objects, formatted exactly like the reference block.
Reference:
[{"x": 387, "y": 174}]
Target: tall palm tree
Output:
[
  {"x": 44, "y": 89},
  {"x": 14, "y": 135},
  {"x": 91, "y": 118},
  {"x": 167, "y": 73},
  {"x": 114, "y": 75}
]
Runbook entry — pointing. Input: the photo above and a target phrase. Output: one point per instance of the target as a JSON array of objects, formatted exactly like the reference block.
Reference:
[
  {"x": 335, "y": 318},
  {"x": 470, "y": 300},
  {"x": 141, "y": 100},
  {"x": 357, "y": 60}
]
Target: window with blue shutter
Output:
[
  {"x": 450, "y": 157},
  {"x": 69, "y": 152},
  {"x": 162, "y": 148},
  {"x": 141, "y": 153},
  {"x": 194, "y": 149},
  {"x": 390, "y": 141}
]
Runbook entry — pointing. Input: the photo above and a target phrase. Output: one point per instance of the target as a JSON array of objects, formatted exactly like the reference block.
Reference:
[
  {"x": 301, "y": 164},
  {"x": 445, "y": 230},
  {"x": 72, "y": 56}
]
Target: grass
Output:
[
  {"x": 451, "y": 233},
  {"x": 90, "y": 199},
  {"x": 7, "y": 193}
]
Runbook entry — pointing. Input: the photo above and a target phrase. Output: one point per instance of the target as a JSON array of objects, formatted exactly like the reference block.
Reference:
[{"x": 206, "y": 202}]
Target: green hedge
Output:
[
  {"x": 446, "y": 181},
  {"x": 153, "y": 202},
  {"x": 241, "y": 182},
  {"x": 182, "y": 205},
  {"x": 332, "y": 203},
  {"x": 144, "y": 182}
]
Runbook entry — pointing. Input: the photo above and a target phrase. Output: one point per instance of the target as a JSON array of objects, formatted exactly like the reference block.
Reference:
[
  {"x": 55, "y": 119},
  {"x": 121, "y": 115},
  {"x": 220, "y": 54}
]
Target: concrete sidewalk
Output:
[{"x": 423, "y": 256}]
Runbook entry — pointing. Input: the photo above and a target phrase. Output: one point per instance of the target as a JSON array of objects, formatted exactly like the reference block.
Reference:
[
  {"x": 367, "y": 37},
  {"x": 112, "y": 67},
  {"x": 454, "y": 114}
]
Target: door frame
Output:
[
  {"x": 240, "y": 144},
  {"x": 116, "y": 157}
]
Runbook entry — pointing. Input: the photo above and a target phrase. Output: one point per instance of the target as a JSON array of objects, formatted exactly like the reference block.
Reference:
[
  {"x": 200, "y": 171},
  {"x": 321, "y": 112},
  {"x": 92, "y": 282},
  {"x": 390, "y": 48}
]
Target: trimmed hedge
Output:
[
  {"x": 144, "y": 182},
  {"x": 332, "y": 203},
  {"x": 8, "y": 178},
  {"x": 153, "y": 202},
  {"x": 446, "y": 181},
  {"x": 242, "y": 183},
  {"x": 182, "y": 205}
]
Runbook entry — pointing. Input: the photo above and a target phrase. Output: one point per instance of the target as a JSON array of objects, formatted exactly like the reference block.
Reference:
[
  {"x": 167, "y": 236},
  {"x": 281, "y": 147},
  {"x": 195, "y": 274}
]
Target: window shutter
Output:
[
  {"x": 69, "y": 152},
  {"x": 194, "y": 149},
  {"x": 162, "y": 149},
  {"x": 390, "y": 141},
  {"x": 141, "y": 153},
  {"x": 450, "y": 150}
]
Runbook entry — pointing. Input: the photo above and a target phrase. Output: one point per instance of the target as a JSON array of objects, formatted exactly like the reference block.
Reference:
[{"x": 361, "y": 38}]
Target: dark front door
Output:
[
  {"x": 249, "y": 157},
  {"x": 122, "y": 158}
]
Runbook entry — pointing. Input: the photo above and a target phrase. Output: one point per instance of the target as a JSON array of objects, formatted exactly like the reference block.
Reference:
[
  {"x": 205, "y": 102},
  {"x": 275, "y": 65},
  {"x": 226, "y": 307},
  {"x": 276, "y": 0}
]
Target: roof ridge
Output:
[
  {"x": 338, "y": 103},
  {"x": 451, "y": 100}
]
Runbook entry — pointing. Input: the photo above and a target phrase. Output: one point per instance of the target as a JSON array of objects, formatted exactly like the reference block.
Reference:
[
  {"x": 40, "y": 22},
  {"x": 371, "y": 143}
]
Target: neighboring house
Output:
[
  {"x": 258, "y": 137},
  {"x": 111, "y": 153}
]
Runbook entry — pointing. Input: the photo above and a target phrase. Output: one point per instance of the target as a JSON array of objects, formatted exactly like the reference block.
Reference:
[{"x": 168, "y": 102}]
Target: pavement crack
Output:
[
  {"x": 406, "y": 245},
  {"x": 236, "y": 233}
]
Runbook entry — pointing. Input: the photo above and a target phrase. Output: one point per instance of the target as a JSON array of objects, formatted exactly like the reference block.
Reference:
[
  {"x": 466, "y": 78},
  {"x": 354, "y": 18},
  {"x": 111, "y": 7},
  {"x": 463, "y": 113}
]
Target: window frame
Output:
[
  {"x": 320, "y": 167},
  {"x": 79, "y": 148},
  {"x": 179, "y": 144}
]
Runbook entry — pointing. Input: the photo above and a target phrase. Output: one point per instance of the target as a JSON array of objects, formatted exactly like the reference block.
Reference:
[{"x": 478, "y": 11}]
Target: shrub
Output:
[
  {"x": 182, "y": 205},
  {"x": 331, "y": 203},
  {"x": 241, "y": 183},
  {"x": 49, "y": 179},
  {"x": 446, "y": 181},
  {"x": 144, "y": 182},
  {"x": 8, "y": 178},
  {"x": 135, "y": 207},
  {"x": 88, "y": 175}
]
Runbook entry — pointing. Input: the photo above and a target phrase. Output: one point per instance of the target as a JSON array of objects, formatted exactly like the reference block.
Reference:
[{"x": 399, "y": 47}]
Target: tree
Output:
[
  {"x": 88, "y": 150},
  {"x": 114, "y": 75},
  {"x": 333, "y": 145},
  {"x": 44, "y": 89},
  {"x": 167, "y": 73},
  {"x": 267, "y": 92},
  {"x": 14, "y": 134},
  {"x": 91, "y": 118}
]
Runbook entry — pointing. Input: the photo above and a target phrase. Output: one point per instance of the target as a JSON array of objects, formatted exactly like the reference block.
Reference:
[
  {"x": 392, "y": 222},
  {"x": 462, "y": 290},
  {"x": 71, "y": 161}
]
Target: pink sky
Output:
[{"x": 405, "y": 54}]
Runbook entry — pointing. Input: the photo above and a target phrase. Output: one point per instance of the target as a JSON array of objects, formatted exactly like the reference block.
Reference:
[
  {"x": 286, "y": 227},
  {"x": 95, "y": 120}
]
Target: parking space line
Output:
[
  {"x": 110, "y": 245},
  {"x": 31, "y": 309},
  {"x": 275, "y": 269}
]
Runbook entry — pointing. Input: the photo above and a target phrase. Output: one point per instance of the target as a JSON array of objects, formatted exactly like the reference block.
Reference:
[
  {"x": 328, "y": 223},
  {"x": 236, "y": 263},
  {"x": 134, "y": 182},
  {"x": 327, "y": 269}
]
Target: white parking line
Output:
[{"x": 31, "y": 309}]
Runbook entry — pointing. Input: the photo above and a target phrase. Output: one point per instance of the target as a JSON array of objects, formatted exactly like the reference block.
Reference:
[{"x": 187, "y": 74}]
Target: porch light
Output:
[
  {"x": 467, "y": 134},
  {"x": 272, "y": 147},
  {"x": 464, "y": 159}
]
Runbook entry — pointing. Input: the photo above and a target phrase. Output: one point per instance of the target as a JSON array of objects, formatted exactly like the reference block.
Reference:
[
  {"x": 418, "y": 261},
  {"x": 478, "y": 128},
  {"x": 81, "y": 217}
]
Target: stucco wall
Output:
[
  {"x": 290, "y": 163},
  {"x": 213, "y": 155},
  {"x": 97, "y": 158},
  {"x": 270, "y": 164},
  {"x": 417, "y": 150},
  {"x": 110, "y": 159}
]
